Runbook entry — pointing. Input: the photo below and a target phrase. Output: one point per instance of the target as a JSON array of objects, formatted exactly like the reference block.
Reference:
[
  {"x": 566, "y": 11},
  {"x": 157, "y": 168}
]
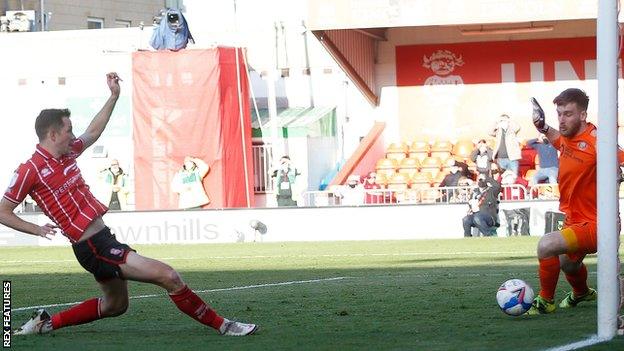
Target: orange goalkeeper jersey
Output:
[{"x": 577, "y": 175}]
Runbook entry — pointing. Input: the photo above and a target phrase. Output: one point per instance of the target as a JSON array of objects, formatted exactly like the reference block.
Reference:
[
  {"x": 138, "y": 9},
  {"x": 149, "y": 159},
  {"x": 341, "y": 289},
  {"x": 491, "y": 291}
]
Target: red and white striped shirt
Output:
[{"x": 58, "y": 188}]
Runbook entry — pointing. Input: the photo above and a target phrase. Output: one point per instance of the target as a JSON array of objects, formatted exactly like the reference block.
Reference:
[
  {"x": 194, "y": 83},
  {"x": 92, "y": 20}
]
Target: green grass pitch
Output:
[{"x": 395, "y": 295}]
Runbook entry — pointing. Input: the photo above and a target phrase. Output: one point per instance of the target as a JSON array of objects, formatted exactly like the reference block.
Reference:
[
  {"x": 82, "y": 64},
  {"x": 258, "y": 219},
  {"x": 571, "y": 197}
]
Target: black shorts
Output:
[{"x": 102, "y": 254}]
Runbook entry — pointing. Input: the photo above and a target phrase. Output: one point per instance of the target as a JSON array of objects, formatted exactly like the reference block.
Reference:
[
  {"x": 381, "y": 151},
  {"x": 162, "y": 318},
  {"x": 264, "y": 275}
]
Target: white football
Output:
[{"x": 515, "y": 297}]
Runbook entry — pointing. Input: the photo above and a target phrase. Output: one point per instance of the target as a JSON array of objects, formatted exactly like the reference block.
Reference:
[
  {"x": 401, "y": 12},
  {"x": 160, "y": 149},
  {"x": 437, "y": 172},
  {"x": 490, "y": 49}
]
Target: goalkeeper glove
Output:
[{"x": 539, "y": 119}]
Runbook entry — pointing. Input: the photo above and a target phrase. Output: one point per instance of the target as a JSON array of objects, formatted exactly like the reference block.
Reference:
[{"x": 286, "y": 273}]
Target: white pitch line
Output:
[
  {"x": 245, "y": 287},
  {"x": 593, "y": 340},
  {"x": 304, "y": 256}
]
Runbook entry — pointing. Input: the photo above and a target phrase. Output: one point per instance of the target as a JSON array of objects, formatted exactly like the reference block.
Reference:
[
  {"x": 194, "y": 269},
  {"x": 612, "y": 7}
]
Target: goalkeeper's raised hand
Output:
[{"x": 539, "y": 118}]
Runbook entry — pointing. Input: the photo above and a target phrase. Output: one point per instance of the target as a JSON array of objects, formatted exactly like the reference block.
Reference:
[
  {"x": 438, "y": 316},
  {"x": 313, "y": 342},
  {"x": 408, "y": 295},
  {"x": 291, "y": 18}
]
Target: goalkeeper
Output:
[{"x": 565, "y": 249}]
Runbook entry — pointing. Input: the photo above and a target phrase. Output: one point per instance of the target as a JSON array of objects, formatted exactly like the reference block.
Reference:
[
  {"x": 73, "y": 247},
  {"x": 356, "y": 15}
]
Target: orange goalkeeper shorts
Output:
[{"x": 581, "y": 239}]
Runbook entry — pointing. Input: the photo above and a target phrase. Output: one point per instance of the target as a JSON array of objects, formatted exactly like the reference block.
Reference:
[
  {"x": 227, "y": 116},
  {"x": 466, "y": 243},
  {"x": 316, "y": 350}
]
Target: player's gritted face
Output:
[
  {"x": 571, "y": 118},
  {"x": 63, "y": 137}
]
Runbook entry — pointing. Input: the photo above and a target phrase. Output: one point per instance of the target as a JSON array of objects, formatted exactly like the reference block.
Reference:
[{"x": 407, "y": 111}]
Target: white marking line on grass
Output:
[
  {"x": 245, "y": 287},
  {"x": 593, "y": 340},
  {"x": 458, "y": 253}
]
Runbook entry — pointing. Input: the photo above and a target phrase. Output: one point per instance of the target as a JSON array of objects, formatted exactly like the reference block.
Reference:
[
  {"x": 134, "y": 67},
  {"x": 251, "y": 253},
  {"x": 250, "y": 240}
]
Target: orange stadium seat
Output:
[
  {"x": 431, "y": 165},
  {"x": 409, "y": 166},
  {"x": 463, "y": 149},
  {"x": 397, "y": 151},
  {"x": 441, "y": 149},
  {"x": 386, "y": 166},
  {"x": 398, "y": 181},
  {"x": 419, "y": 150},
  {"x": 421, "y": 179}
]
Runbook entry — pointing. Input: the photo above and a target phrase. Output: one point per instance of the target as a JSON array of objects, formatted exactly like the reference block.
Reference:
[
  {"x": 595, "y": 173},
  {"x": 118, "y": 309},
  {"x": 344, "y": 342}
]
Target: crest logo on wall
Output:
[{"x": 442, "y": 63}]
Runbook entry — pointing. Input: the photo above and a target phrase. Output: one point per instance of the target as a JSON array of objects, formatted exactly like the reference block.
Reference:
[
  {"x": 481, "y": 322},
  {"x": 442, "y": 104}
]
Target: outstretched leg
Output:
[
  {"x": 114, "y": 302},
  {"x": 148, "y": 270}
]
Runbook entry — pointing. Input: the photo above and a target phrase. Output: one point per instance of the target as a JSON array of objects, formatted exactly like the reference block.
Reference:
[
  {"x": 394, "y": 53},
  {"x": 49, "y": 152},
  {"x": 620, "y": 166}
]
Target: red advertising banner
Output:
[
  {"x": 496, "y": 62},
  {"x": 186, "y": 103}
]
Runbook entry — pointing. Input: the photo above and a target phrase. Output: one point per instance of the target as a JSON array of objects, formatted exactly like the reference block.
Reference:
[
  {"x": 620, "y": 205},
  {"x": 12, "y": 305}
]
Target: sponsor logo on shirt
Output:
[
  {"x": 582, "y": 145},
  {"x": 45, "y": 171},
  {"x": 67, "y": 184}
]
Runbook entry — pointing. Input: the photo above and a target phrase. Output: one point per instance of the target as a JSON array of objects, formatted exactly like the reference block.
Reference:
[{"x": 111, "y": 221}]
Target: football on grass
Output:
[{"x": 514, "y": 297}]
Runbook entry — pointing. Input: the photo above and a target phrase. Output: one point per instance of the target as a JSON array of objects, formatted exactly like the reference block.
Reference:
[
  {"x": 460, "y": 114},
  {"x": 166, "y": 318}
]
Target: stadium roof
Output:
[{"x": 350, "y": 30}]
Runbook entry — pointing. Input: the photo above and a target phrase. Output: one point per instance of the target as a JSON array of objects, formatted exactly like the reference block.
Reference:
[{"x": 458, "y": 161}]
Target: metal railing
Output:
[{"x": 454, "y": 194}]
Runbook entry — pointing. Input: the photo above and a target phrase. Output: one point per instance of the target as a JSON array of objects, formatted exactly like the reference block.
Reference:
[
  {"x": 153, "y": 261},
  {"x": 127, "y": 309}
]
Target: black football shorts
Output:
[{"x": 102, "y": 254}]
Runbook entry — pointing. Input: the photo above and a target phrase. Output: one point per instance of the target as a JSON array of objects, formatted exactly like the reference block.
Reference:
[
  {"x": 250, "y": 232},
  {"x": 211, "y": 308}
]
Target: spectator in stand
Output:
[
  {"x": 115, "y": 186},
  {"x": 507, "y": 151},
  {"x": 509, "y": 181},
  {"x": 483, "y": 207},
  {"x": 463, "y": 194},
  {"x": 457, "y": 170},
  {"x": 549, "y": 160},
  {"x": 285, "y": 178},
  {"x": 188, "y": 183},
  {"x": 370, "y": 184},
  {"x": 483, "y": 156},
  {"x": 352, "y": 193}
]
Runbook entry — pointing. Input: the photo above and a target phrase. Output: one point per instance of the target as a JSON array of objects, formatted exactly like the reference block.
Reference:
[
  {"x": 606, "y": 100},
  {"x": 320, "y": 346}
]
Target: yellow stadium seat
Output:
[
  {"x": 398, "y": 181},
  {"x": 409, "y": 163},
  {"x": 397, "y": 151},
  {"x": 398, "y": 147},
  {"x": 386, "y": 163},
  {"x": 386, "y": 166},
  {"x": 420, "y": 156},
  {"x": 432, "y": 172},
  {"x": 438, "y": 179},
  {"x": 410, "y": 172},
  {"x": 419, "y": 150},
  {"x": 442, "y": 146},
  {"x": 409, "y": 166},
  {"x": 463, "y": 149},
  {"x": 431, "y": 162},
  {"x": 421, "y": 178},
  {"x": 441, "y": 154},
  {"x": 420, "y": 146}
]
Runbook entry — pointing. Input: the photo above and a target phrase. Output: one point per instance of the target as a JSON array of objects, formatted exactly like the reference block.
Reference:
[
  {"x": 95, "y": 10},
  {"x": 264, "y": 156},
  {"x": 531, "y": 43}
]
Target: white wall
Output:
[{"x": 288, "y": 224}]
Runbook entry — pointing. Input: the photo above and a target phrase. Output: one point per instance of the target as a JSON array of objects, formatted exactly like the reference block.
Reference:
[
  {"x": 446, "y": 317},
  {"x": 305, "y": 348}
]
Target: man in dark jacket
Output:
[
  {"x": 483, "y": 212},
  {"x": 457, "y": 170}
]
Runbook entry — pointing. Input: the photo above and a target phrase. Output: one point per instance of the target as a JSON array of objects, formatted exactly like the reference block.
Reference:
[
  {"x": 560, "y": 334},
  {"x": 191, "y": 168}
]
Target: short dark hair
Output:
[
  {"x": 50, "y": 118},
  {"x": 575, "y": 95}
]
